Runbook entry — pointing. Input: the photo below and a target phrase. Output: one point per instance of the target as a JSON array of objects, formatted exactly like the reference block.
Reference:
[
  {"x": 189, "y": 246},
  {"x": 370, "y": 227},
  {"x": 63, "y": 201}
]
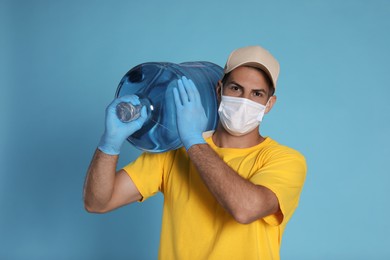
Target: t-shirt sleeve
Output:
[
  {"x": 147, "y": 173},
  {"x": 284, "y": 174}
]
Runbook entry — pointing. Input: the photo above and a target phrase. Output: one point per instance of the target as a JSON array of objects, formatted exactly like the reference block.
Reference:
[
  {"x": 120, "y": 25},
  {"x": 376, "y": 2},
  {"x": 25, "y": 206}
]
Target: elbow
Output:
[
  {"x": 244, "y": 217},
  {"x": 89, "y": 209},
  {"x": 248, "y": 213},
  {"x": 93, "y": 209},
  {"x": 247, "y": 216}
]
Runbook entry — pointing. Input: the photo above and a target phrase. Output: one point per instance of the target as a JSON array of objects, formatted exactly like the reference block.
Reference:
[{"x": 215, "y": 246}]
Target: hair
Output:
[{"x": 266, "y": 76}]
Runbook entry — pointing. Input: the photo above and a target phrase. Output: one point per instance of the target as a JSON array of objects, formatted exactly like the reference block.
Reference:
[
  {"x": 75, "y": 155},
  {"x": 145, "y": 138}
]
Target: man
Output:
[{"x": 228, "y": 194}]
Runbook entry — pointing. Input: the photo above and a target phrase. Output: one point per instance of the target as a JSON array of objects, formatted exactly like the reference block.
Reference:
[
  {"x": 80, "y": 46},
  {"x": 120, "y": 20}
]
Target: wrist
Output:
[
  {"x": 109, "y": 147},
  {"x": 188, "y": 142}
]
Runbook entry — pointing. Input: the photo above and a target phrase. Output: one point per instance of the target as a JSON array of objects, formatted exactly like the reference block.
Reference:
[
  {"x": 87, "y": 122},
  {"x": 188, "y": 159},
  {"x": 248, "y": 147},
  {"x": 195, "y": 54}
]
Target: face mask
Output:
[{"x": 239, "y": 116}]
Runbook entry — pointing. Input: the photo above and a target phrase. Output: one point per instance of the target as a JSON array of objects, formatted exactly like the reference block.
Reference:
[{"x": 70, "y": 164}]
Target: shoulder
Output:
[
  {"x": 275, "y": 150},
  {"x": 283, "y": 162}
]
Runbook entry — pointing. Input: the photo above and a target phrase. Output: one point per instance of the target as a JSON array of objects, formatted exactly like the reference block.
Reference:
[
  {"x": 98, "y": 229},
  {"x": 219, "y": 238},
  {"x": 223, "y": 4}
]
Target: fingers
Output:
[
  {"x": 182, "y": 88},
  {"x": 139, "y": 122},
  {"x": 192, "y": 91},
  {"x": 189, "y": 87},
  {"x": 133, "y": 99},
  {"x": 187, "y": 90},
  {"x": 177, "y": 99},
  {"x": 144, "y": 113},
  {"x": 195, "y": 92}
]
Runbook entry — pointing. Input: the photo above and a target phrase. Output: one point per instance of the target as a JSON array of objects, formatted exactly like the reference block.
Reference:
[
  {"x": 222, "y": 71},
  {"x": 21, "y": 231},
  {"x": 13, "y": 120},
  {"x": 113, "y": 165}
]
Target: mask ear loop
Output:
[
  {"x": 262, "y": 113},
  {"x": 266, "y": 104}
]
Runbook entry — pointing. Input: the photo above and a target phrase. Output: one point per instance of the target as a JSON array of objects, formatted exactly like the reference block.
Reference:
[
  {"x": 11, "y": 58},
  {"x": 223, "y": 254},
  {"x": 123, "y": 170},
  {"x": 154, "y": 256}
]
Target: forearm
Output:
[
  {"x": 100, "y": 180},
  {"x": 244, "y": 200}
]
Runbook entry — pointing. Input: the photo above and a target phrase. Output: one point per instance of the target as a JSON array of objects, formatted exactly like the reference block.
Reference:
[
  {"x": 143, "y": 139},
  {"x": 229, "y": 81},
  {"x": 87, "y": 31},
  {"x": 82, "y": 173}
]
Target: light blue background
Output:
[{"x": 60, "y": 65}]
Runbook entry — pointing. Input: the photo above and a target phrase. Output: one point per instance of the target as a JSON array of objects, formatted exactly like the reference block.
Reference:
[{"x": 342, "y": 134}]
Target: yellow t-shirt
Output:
[{"x": 195, "y": 226}]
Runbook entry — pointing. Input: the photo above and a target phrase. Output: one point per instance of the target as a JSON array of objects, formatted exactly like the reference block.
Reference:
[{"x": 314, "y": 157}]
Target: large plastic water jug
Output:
[{"x": 153, "y": 82}]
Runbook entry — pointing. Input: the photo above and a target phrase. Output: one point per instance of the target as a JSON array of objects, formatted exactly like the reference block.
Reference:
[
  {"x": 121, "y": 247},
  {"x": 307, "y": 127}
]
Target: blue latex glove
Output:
[
  {"x": 116, "y": 132},
  {"x": 190, "y": 114}
]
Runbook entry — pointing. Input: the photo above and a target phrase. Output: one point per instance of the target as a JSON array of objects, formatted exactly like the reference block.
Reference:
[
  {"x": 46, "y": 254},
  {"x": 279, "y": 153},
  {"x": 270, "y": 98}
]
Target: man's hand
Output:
[
  {"x": 116, "y": 132},
  {"x": 190, "y": 114}
]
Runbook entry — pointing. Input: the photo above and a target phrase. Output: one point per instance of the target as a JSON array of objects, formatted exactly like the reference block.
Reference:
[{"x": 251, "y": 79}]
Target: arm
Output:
[
  {"x": 105, "y": 189},
  {"x": 244, "y": 200}
]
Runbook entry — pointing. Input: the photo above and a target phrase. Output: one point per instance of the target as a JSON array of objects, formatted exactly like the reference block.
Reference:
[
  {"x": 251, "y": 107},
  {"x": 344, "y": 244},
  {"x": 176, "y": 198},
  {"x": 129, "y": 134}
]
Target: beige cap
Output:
[{"x": 254, "y": 56}]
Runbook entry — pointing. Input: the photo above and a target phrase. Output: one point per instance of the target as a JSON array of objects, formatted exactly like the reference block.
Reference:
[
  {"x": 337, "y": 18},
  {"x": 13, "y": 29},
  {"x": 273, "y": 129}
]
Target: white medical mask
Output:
[{"x": 240, "y": 116}]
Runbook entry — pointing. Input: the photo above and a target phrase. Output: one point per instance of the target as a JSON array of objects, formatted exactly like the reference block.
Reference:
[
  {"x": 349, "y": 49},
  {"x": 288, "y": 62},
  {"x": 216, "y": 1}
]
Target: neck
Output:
[{"x": 224, "y": 139}]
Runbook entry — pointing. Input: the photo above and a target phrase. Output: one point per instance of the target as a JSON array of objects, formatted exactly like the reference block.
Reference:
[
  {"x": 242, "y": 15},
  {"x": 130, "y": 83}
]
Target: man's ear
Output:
[
  {"x": 271, "y": 103},
  {"x": 218, "y": 90}
]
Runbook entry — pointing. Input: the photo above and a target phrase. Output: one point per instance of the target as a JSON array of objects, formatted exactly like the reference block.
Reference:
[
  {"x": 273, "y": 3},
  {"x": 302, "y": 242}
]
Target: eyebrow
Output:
[
  {"x": 235, "y": 83},
  {"x": 260, "y": 90}
]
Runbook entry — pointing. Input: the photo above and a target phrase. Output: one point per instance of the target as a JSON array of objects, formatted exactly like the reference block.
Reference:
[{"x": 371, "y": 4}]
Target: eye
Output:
[
  {"x": 258, "y": 94},
  {"x": 235, "y": 88}
]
